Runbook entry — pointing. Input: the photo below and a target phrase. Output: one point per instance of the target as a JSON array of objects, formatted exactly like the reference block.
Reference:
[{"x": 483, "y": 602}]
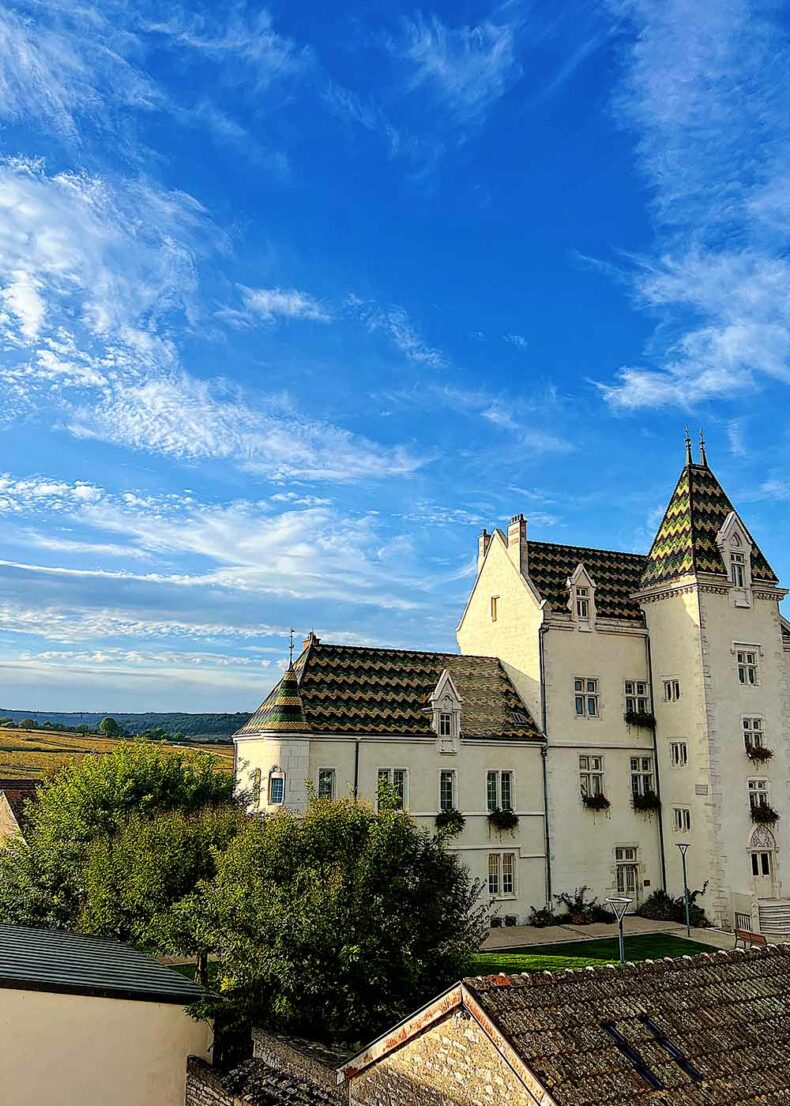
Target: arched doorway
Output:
[{"x": 762, "y": 857}]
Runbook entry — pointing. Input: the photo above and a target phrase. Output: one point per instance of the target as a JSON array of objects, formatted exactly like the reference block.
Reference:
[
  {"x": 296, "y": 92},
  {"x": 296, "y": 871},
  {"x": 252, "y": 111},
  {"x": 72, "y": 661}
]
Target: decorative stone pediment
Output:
[
  {"x": 446, "y": 709},
  {"x": 581, "y": 597}
]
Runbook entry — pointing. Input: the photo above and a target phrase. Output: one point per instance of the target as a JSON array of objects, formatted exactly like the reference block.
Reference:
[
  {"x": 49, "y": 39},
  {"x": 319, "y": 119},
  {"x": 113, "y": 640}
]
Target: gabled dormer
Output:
[
  {"x": 446, "y": 710},
  {"x": 581, "y": 598},
  {"x": 736, "y": 548}
]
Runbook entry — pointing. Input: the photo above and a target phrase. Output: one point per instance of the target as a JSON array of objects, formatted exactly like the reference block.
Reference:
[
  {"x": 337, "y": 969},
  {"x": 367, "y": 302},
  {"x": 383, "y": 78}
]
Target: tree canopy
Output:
[
  {"x": 335, "y": 923},
  {"x": 43, "y": 878}
]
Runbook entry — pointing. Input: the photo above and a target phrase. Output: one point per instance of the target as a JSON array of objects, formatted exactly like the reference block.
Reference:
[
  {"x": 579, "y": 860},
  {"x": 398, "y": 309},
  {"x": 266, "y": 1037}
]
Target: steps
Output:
[{"x": 774, "y": 917}]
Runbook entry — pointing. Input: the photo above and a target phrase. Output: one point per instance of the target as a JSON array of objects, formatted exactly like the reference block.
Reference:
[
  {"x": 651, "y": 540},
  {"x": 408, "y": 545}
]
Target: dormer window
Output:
[
  {"x": 738, "y": 570},
  {"x": 581, "y": 598},
  {"x": 735, "y": 547},
  {"x": 446, "y": 710}
]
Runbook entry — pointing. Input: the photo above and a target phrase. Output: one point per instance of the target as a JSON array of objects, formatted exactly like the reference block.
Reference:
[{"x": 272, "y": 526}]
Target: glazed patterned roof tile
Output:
[
  {"x": 728, "y": 1013},
  {"x": 686, "y": 539},
  {"x": 616, "y": 576},
  {"x": 350, "y": 690}
]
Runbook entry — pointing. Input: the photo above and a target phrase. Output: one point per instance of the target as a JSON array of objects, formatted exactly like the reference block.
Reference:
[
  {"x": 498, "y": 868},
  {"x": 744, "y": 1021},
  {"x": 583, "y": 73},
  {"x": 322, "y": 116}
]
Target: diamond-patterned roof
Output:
[
  {"x": 686, "y": 539},
  {"x": 282, "y": 710},
  {"x": 352, "y": 690},
  {"x": 616, "y": 576}
]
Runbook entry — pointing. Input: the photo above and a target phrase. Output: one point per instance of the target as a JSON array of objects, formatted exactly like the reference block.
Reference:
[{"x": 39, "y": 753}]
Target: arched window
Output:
[{"x": 276, "y": 786}]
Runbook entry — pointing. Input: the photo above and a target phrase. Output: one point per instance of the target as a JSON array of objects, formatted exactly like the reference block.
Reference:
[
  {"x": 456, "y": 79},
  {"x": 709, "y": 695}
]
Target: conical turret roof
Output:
[
  {"x": 282, "y": 710},
  {"x": 686, "y": 540}
]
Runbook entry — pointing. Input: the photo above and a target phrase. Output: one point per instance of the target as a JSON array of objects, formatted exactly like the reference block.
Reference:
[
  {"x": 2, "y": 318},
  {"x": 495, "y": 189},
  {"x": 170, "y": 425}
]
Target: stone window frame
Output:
[
  {"x": 592, "y": 773},
  {"x": 390, "y": 773},
  {"x": 681, "y": 819},
  {"x": 747, "y": 661},
  {"x": 581, "y": 598},
  {"x": 586, "y": 695},
  {"x": 672, "y": 689},
  {"x": 451, "y": 772},
  {"x": 759, "y": 791},
  {"x": 643, "y": 775},
  {"x": 676, "y": 758},
  {"x": 333, "y": 782},
  {"x": 276, "y": 776},
  {"x": 639, "y": 700},
  {"x": 753, "y": 735},
  {"x": 499, "y": 855},
  {"x": 497, "y": 774}
]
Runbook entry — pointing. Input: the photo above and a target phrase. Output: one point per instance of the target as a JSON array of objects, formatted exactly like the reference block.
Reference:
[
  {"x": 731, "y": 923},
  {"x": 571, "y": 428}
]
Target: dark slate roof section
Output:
[
  {"x": 616, "y": 575},
  {"x": 351, "y": 690},
  {"x": 255, "y": 1082},
  {"x": 71, "y": 963},
  {"x": 686, "y": 539},
  {"x": 728, "y": 1014},
  {"x": 19, "y": 793}
]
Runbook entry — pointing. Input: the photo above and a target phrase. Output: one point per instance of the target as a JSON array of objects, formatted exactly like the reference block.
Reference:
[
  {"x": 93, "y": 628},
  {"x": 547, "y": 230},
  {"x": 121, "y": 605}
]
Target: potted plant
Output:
[
  {"x": 496, "y": 921},
  {"x": 647, "y": 802},
  {"x": 764, "y": 814},
  {"x": 503, "y": 820},
  {"x": 596, "y": 802},
  {"x": 758, "y": 753},
  {"x": 450, "y": 822},
  {"x": 510, "y": 919},
  {"x": 642, "y": 718}
]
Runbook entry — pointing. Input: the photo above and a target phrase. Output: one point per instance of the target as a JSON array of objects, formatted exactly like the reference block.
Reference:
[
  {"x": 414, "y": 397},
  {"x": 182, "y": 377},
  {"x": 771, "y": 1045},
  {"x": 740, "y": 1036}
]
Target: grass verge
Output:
[{"x": 580, "y": 954}]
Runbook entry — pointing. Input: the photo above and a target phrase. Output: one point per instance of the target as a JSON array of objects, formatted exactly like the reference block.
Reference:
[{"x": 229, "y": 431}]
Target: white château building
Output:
[{"x": 605, "y": 708}]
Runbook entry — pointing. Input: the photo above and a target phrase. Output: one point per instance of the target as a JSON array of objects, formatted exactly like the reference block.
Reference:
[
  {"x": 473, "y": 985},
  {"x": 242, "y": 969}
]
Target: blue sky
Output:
[{"x": 296, "y": 298}]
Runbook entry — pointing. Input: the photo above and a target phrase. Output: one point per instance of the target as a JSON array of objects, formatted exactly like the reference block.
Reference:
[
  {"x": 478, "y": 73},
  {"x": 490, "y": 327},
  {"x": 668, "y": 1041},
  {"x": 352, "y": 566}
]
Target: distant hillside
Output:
[{"x": 196, "y": 727}]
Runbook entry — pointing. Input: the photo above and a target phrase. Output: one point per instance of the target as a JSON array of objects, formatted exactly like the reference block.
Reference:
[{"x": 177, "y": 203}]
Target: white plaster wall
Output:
[{"x": 78, "y": 1051}]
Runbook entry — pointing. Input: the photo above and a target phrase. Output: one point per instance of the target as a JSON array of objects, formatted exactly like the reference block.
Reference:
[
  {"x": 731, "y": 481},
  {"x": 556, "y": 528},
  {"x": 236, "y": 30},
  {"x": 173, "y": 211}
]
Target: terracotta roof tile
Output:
[
  {"x": 347, "y": 689},
  {"x": 18, "y": 793},
  {"x": 727, "y": 1013},
  {"x": 616, "y": 575}
]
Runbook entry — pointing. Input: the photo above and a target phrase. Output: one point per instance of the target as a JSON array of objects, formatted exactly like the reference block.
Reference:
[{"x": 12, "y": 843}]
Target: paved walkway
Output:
[{"x": 517, "y": 937}]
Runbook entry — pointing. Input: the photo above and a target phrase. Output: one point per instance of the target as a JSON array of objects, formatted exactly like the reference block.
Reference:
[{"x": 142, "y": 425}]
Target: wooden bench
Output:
[{"x": 749, "y": 939}]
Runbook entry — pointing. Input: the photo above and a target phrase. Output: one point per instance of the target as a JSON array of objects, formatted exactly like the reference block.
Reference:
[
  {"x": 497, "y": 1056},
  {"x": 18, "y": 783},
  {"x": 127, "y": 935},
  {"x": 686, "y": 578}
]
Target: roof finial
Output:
[
  {"x": 702, "y": 456},
  {"x": 291, "y": 649},
  {"x": 689, "y": 459}
]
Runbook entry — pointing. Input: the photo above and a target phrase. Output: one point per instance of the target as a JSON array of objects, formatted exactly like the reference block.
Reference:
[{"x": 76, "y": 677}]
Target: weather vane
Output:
[{"x": 291, "y": 647}]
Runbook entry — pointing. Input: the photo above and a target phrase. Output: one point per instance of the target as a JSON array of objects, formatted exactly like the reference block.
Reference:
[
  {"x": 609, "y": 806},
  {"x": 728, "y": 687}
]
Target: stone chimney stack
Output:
[
  {"x": 483, "y": 543},
  {"x": 517, "y": 542}
]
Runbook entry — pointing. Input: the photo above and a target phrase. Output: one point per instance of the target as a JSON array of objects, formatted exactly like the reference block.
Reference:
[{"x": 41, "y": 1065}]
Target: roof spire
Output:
[
  {"x": 689, "y": 459},
  {"x": 702, "y": 456},
  {"x": 291, "y": 649}
]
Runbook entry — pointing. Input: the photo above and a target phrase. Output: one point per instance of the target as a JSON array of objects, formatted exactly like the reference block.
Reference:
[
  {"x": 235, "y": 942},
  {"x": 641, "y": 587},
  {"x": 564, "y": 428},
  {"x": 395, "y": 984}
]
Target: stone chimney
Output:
[
  {"x": 311, "y": 639},
  {"x": 483, "y": 543},
  {"x": 517, "y": 542}
]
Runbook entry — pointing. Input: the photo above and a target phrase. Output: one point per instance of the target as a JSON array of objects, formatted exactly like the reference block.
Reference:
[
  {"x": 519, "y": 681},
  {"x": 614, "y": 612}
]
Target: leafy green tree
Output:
[
  {"x": 28, "y": 724},
  {"x": 83, "y": 728},
  {"x": 109, "y": 727},
  {"x": 133, "y": 879},
  {"x": 334, "y": 924},
  {"x": 42, "y": 879}
]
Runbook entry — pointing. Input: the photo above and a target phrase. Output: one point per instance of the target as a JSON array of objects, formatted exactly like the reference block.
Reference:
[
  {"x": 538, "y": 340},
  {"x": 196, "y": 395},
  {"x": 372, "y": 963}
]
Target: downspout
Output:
[
  {"x": 649, "y": 653},
  {"x": 542, "y": 630},
  {"x": 356, "y": 769}
]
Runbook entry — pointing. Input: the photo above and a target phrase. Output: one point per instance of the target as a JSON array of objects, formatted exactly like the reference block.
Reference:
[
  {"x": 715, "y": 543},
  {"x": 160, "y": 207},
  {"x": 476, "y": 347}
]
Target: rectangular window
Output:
[
  {"x": 761, "y": 866},
  {"x": 637, "y": 700},
  {"x": 445, "y": 725},
  {"x": 627, "y": 871},
  {"x": 276, "y": 790},
  {"x": 753, "y": 733},
  {"x": 738, "y": 569},
  {"x": 583, "y": 603},
  {"x": 494, "y": 607},
  {"x": 681, "y": 819},
  {"x": 502, "y": 874},
  {"x": 747, "y": 666},
  {"x": 678, "y": 754},
  {"x": 641, "y": 775},
  {"x": 397, "y": 779},
  {"x": 591, "y": 775},
  {"x": 585, "y": 690},
  {"x": 758, "y": 793},
  {"x": 447, "y": 790},
  {"x": 671, "y": 691},
  {"x": 499, "y": 790},
  {"x": 326, "y": 783}
]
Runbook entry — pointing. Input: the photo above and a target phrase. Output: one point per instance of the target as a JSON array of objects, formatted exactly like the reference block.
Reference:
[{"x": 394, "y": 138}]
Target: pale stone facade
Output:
[{"x": 648, "y": 675}]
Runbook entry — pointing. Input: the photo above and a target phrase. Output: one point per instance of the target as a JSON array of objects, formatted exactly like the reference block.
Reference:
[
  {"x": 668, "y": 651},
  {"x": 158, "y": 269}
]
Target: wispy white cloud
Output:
[
  {"x": 705, "y": 89},
  {"x": 465, "y": 68},
  {"x": 394, "y": 322},
  {"x": 516, "y": 340},
  {"x": 270, "y": 304}
]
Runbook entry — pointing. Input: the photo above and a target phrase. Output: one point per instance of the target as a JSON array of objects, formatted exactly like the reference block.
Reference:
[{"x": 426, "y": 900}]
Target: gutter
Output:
[{"x": 542, "y": 630}]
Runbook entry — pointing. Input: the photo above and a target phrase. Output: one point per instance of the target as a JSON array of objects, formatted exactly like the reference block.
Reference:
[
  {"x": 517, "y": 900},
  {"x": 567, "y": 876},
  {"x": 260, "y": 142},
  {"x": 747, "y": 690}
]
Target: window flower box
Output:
[
  {"x": 764, "y": 814},
  {"x": 595, "y": 802},
  {"x": 758, "y": 753},
  {"x": 644, "y": 719},
  {"x": 450, "y": 822},
  {"x": 503, "y": 820},
  {"x": 647, "y": 803}
]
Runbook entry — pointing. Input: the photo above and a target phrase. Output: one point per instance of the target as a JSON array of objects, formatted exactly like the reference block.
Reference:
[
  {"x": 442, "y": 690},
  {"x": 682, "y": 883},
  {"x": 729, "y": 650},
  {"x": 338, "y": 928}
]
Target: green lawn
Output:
[{"x": 578, "y": 954}]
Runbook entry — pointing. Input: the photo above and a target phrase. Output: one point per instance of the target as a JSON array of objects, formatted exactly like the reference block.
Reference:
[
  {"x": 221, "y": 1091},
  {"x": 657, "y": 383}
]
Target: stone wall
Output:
[
  {"x": 204, "y": 1086},
  {"x": 452, "y": 1064},
  {"x": 303, "y": 1059}
]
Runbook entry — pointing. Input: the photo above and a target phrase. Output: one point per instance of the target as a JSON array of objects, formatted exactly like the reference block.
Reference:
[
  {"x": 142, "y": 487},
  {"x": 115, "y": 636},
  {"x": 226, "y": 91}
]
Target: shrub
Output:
[
  {"x": 662, "y": 907},
  {"x": 647, "y": 802},
  {"x": 503, "y": 820},
  {"x": 496, "y": 921},
  {"x": 579, "y": 909},
  {"x": 541, "y": 917},
  {"x": 596, "y": 802},
  {"x": 510, "y": 919},
  {"x": 450, "y": 822},
  {"x": 640, "y": 718},
  {"x": 764, "y": 814}
]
